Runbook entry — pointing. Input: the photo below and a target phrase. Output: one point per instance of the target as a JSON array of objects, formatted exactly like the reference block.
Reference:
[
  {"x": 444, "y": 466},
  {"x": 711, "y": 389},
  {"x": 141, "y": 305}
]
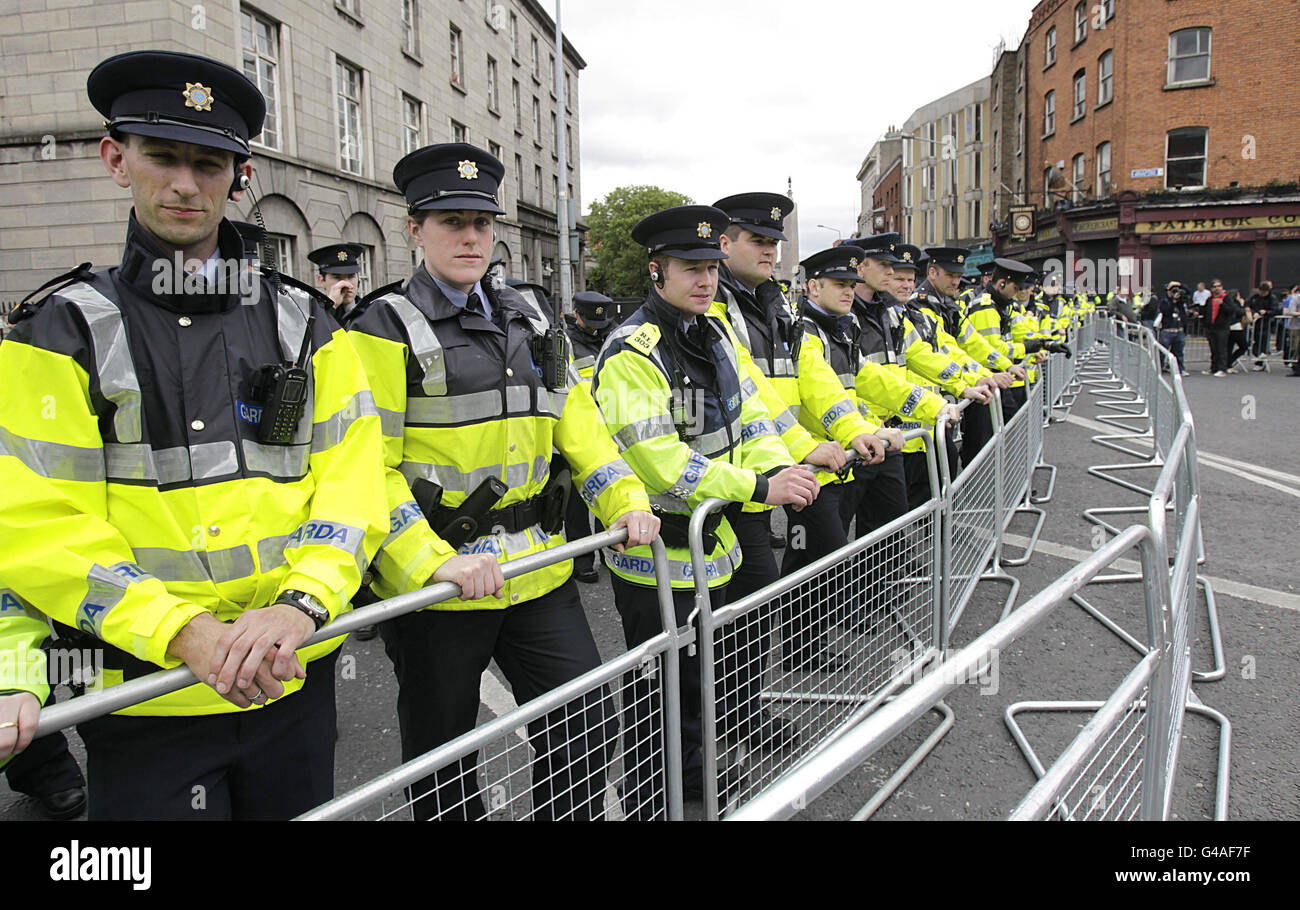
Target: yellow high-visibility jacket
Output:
[
  {"x": 722, "y": 446},
  {"x": 137, "y": 494},
  {"x": 462, "y": 401}
]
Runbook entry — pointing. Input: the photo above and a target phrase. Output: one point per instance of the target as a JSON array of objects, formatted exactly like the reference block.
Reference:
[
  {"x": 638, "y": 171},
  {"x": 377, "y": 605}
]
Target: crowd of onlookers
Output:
[{"x": 1239, "y": 329}]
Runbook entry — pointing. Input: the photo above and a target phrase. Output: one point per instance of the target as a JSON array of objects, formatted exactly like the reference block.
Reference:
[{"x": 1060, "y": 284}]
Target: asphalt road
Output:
[{"x": 1245, "y": 426}]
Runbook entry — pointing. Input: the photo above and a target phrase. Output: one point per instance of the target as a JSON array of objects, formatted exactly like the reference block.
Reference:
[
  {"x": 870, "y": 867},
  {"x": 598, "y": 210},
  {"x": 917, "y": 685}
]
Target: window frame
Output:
[
  {"x": 1204, "y": 158},
  {"x": 1106, "y": 78},
  {"x": 1080, "y": 23},
  {"x": 341, "y": 68},
  {"x": 411, "y": 28},
  {"x": 406, "y": 101},
  {"x": 1049, "y": 48},
  {"x": 493, "y": 86},
  {"x": 1174, "y": 59},
  {"x": 274, "y": 110},
  {"x": 1049, "y": 114},
  {"x": 1104, "y": 183},
  {"x": 1079, "y": 91},
  {"x": 456, "y": 56}
]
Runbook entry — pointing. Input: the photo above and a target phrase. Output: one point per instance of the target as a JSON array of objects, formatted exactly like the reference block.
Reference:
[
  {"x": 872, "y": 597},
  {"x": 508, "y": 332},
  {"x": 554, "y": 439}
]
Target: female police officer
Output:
[
  {"x": 473, "y": 400},
  {"x": 691, "y": 424}
]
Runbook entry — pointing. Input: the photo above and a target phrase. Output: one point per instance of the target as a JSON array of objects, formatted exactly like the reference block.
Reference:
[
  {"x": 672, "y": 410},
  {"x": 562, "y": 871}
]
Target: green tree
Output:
[{"x": 621, "y": 264}]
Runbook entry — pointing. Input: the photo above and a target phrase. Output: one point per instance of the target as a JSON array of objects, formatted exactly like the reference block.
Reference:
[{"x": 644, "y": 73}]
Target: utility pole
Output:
[{"x": 564, "y": 304}]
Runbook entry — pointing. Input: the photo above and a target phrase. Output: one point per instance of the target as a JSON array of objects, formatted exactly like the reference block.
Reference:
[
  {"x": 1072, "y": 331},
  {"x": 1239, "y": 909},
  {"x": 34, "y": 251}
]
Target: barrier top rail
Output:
[{"x": 87, "y": 707}]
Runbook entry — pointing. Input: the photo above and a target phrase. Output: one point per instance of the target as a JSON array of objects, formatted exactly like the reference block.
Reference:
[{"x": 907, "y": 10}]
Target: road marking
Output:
[
  {"x": 1236, "y": 589},
  {"x": 1241, "y": 469}
]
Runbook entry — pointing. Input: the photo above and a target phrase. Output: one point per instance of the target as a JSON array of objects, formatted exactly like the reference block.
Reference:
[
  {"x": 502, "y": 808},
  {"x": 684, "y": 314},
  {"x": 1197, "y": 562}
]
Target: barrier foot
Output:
[
  {"x": 1216, "y": 639},
  {"x": 1103, "y": 471},
  {"x": 1224, "y": 769},
  {"x": 998, "y": 574},
  {"x": 1040, "y": 518},
  {"x": 1109, "y": 623},
  {"x": 1093, "y": 515},
  {"x": 1046, "y": 497},
  {"x": 905, "y": 770}
]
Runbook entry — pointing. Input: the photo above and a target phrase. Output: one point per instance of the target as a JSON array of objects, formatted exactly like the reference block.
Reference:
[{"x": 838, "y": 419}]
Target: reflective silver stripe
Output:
[
  {"x": 401, "y": 518},
  {"x": 911, "y": 338},
  {"x": 785, "y": 421},
  {"x": 216, "y": 566},
  {"x": 783, "y": 368},
  {"x": 879, "y": 357},
  {"x": 279, "y": 461},
  {"x": 748, "y": 388},
  {"x": 326, "y": 434},
  {"x": 991, "y": 330},
  {"x": 317, "y": 532},
  {"x": 719, "y": 442},
  {"x": 445, "y": 409},
  {"x": 913, "y": 399},
  {"x": 425, "y": 347},
  {"x": 291, "y": 321},
  {"x": 456, "y": 480},
  {"x": 270, "y": 552},
  {"x": 53, "y": 459},
  {"x": 679, "y": 570},
  {"x": 519, "y": 398},
  {"x": 736, "y": 319},
  {"x": 692, "y": 475},
  {"x": 948, "y": 372},
  {"x": 506, "y": 545},
  {"x": 641, "y": 430},
  {"x": 599, "y": 480},
  {"x": 584, "y": 363},
  {"x": 549, "y": 402},
  {"x": 213, "y": 459},
  {"x": 391, "y": 422},
  {"x": 757, "y": 429},
  {"x": 848, "y": 380},
  {"x": 138, "y": 461},
  {"x": 113, "y": 364},
  {"x": 105, "y": 588}
]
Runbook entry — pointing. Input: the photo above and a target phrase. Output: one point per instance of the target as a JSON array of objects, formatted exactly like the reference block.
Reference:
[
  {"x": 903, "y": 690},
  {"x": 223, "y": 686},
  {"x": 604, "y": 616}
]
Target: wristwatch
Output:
[{"x": 307, "y": 604}]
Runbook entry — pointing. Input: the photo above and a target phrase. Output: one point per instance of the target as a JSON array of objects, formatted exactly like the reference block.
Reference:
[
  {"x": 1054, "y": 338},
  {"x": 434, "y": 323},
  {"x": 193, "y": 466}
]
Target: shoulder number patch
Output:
[{"x": 645, "y": 338}]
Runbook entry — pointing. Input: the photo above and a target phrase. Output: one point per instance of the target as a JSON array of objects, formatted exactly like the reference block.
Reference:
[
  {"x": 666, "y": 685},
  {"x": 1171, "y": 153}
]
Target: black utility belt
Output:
[
  {"x": 512, "y": 519},
  {"x": 675, "y": 528}
]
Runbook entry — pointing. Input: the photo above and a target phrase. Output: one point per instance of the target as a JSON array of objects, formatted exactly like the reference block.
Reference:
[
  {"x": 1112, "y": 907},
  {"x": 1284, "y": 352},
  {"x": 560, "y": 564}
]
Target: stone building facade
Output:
[{"x": 352, "y": 86}]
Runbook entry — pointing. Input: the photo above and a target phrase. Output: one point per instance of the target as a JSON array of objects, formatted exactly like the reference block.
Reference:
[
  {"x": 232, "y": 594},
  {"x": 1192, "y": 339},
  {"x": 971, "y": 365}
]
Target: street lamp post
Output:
[
  {"x": 839, "y": 235},
  {"x": 562, "y": 184}
]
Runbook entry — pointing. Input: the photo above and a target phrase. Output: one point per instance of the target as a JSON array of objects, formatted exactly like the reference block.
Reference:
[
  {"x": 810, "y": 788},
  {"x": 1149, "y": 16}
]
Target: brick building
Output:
[
  {"x": 884, "y": 159},
  {"x": 352, "y": 86},
  {"x": 1161, "y": 135},
  {"x": 887, "y": 200}
]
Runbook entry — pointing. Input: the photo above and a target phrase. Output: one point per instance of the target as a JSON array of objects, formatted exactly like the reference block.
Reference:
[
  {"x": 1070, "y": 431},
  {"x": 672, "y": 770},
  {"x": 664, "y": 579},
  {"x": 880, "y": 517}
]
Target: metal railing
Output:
[{"x": 608, "y": 743}]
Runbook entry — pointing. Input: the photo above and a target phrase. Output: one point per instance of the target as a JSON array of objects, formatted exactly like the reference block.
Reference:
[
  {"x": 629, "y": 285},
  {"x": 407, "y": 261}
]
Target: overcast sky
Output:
[{"x": 714, "y": 97}]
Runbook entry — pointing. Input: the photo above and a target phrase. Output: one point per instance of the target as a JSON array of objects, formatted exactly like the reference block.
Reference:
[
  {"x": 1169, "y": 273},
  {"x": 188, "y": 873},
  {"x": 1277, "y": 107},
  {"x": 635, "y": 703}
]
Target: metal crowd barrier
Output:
[{"x": 607, "y": 744}]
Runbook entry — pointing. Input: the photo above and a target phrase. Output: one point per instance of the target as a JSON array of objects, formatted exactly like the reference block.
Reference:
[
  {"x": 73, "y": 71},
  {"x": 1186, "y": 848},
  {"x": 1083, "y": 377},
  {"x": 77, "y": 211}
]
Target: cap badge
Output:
[
  {"x": 600, "y": 311},
  {"x": 907, "y": 255},
  {"x": 961, "y": 259},
  {"x": 853, "y": 262},
  {"x": 705, "y": 230},
  {"x": 468, "y": 170},
  {"x": 343, "y": 255},
  {"x": 198, "y": 96},
  {"x": 776, "y": 213}
]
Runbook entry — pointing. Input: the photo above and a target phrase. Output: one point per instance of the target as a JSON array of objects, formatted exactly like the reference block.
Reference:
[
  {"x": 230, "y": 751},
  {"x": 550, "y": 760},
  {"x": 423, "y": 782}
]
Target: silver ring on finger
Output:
[{"x": 258, "y": 698}]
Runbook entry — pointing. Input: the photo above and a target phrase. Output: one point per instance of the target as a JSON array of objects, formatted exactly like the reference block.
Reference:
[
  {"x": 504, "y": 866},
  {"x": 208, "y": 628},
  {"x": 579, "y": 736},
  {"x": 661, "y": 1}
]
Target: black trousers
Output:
[
  {"x": 876, "y": 495},
  {"x": 1263, "y": 335},
  {"x": 743, "y": 655},
  {"x": 46, "y": 766},
  {"x": 1218, "y": 350},
  {"x": 267, "y": 764},
  {"x": 1013, "y": 399},
  {"x": 1237, "y": 344},
  {"x": 815, "y": 531},
  {"x": 644, "y": 783},
  {"x": 976, "y": 431},
  {"x": 439, "y": 657}
]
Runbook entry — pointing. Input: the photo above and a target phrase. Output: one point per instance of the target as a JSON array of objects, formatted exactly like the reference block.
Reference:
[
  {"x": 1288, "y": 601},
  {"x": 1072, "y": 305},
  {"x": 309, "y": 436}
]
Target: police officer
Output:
[
  {"x": 226, "y": 493},
  {"x": 935, "y": 297},
  {"x": 477, "y": 389},
  {"x": 587, "y": 326},
  {"x": 992, "y": 314},
  {"x": 889, "y": 336},
  {"x": 750, "y": 301},
  {"x": 337, "y": 267},
  {"x": 690, "y": 422}
]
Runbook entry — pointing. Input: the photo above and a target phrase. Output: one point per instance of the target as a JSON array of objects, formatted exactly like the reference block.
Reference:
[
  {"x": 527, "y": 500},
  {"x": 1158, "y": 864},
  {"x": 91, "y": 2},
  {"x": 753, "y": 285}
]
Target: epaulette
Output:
[
  {"x": 362, "y": 304},
  {"x": 27, "y": 307}
]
